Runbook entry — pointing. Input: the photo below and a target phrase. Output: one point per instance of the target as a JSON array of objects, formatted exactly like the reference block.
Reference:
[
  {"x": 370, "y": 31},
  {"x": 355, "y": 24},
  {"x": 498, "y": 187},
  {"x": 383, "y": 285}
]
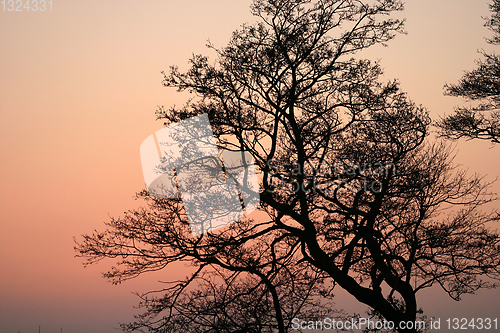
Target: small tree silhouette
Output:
[
  {"x": 481, "y": 84},
  {"x": 353, "y": 193}
]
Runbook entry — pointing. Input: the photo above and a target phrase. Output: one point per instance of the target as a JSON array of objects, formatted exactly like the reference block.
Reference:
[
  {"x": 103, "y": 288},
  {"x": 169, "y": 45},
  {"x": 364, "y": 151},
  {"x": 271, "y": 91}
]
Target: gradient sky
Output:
[{"x": 79, "y": 86}]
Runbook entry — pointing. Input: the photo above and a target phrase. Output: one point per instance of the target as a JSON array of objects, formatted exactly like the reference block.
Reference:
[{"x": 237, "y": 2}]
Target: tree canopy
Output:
[{"x": 353, "y": 193}]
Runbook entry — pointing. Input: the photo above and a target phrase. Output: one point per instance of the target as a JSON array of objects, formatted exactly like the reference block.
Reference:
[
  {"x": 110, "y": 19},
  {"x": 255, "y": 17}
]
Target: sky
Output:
[{"x": 79, "y": 86}]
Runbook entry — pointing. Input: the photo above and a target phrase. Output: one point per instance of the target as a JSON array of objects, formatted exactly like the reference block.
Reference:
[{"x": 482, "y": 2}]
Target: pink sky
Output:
[{"x": 78, "y": 90}]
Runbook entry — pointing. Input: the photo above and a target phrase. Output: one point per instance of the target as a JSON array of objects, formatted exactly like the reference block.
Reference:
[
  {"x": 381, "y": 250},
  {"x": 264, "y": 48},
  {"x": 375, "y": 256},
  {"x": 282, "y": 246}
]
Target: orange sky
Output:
[{"x": 78, "y": 90}]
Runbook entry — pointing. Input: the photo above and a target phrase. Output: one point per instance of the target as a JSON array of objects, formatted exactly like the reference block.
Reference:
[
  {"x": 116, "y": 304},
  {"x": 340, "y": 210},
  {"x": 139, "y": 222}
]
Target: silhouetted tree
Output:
[
  {"x": 481, "y": 84},
  {"x": 353, "y": 193}
]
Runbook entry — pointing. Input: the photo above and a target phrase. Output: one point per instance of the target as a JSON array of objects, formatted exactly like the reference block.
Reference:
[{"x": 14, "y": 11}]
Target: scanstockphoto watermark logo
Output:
[
  {"x": 326, "y": 178},
  {"x": 182, "y": 160},
  {"x": 363, "y": 324}
]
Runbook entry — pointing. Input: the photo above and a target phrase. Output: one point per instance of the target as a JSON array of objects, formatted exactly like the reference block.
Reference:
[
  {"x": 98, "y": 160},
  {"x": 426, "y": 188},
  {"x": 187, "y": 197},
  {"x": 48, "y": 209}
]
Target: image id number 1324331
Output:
[
  {"x": 26, "y": 5},
  {"x": 472, "y": 324}
]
